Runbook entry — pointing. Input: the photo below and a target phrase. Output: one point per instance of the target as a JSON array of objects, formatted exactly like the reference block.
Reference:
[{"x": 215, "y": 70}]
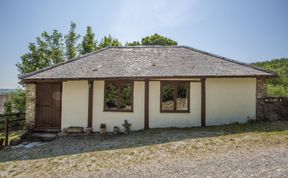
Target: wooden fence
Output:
[{"x": 11, "y": 122}]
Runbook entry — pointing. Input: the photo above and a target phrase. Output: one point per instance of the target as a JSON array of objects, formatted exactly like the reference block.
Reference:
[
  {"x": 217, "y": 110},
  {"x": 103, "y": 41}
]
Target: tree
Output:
[
  {"x": 88, "y": 43},
  {"x": 16, "y": 101},
  {"x": 157, "y": 39},
  {"x": 109, "y": 41},
  {"x": 33, "y": 60},
  {"x": 55, "y": 47},
  {"x": 134, "y": 43},
  {"x": 71, "y": 42},
  {"x": 46, "y": 51},
  {"x": 276, "y": 86}
]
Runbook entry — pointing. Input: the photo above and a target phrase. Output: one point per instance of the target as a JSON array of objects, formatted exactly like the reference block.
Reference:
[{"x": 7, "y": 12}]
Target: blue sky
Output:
[{"x": 246, "y": 30}]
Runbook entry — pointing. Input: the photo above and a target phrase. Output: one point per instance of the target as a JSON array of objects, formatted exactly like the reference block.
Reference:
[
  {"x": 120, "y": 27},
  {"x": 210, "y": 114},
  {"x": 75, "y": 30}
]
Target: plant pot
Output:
[
  {"x": 116, "y": 130},
  {"x": 102, "y": 131},
  {"x": 88, "y": 130}
]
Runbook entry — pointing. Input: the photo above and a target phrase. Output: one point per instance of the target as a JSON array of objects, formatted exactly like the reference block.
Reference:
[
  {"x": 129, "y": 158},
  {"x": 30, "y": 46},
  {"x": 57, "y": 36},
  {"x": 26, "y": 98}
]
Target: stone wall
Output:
[
  {"x": 274, "y": 108},
  {"x": 269, "y": 108},
  {"x": 3, "y": 99},
  {"x": 30, "y": 105},
  {"x": 261, "y": 92}
]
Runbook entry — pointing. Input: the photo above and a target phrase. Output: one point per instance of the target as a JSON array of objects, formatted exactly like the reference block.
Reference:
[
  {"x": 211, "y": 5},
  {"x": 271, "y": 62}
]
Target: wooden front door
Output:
[{"x": 48, "y": 106}]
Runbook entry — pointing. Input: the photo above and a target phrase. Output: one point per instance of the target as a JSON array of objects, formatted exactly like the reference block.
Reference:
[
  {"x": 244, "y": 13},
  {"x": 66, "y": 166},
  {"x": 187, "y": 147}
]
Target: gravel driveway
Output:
[
  {"x": 256, "y": 150},
  {"x": 263, "y": 163}
]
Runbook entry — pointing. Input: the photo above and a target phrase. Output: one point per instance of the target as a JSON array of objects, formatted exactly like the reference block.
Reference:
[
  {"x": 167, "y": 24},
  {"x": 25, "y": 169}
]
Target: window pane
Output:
[
  {"x": 111, "y": 96},
  {"x": 126, "y": 96},
  {"x": 182, "y": 97},
  {"x": 167, "y": 97}
]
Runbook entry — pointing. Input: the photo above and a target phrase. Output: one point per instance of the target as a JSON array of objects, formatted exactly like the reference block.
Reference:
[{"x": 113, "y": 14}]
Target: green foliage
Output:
[
  {"x": 54, "y": 46},
  {"x": 118, "y": 94},
  {"x": 46, "y": 51},
  {"x": 111, "y": 95},
  {"x": 276, "y": 86},
  {"x": 168, "y": 92},
  {"x": 71, "y": 42},
  {"x": 134, "y": 43},
  {"x": 109, "y": 41},
  {"x": 88, "y": 44},
  {"x": 157, "y": 39},
  {"x": 8, "y": 107},
  {"x": 16, "y": 101}
]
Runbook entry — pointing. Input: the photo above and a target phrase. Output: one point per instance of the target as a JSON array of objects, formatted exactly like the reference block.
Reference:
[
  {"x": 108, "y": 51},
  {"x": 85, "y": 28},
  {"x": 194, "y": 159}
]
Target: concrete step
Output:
[
  {"x": 40, "y": 136},
  {"x": 45, "y": 130}
]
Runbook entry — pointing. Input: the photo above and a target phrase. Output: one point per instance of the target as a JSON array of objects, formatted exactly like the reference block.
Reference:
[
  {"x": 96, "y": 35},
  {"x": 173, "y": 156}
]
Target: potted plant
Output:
[
  {"x": 88, "y": 130},
  {"x": 116, "y": 130},
  {"x": 127, "y": 126},
  {"x": 102, "y": 129}
]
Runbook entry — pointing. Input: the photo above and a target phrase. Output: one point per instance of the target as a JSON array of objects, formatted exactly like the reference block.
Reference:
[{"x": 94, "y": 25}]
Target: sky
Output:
[{"x": 245, "y": 30}]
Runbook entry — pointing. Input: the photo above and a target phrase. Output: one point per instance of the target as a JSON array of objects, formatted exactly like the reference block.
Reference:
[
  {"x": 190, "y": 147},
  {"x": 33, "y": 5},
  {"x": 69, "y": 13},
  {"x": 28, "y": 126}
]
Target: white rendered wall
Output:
[
  {"x": 230, "y": 100},
  {"x": 227, "y": 100},
  {"x": 74, "y": 104}
]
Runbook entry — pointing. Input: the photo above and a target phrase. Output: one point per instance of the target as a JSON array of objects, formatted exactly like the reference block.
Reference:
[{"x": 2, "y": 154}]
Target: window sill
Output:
[
  {"x": 175, "y": 112},
  {"x": 118, "y": 111}
]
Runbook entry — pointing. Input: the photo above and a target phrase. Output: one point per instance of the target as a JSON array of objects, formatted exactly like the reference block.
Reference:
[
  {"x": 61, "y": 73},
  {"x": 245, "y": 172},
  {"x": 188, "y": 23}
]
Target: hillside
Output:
[
  {"x": 6, "y": 90},
  {"x": 279, "y": 85}
]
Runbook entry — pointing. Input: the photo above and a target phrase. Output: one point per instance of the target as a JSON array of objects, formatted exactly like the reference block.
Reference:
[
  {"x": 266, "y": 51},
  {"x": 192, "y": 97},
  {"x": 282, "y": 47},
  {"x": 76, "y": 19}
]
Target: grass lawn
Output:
[
  {"x": 87, "y": 155},
  {"x": 12, "y": 135}
]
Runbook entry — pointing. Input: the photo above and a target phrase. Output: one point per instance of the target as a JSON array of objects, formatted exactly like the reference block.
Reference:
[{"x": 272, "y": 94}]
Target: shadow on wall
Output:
[{"x": 68, "y": 145}]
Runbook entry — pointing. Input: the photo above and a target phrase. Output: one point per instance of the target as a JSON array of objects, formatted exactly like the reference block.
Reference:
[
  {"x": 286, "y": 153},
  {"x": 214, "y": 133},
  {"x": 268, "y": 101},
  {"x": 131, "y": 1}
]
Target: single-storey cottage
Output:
[{"x": 149, "y": 86}]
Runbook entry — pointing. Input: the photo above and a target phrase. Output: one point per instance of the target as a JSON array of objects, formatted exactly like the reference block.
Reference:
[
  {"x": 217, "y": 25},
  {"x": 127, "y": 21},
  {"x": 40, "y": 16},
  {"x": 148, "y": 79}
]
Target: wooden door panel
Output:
[
  {"x": 43, "y": 116},
  {"x": 48, "y": 106},
  {"x": 56, "y": 102}
]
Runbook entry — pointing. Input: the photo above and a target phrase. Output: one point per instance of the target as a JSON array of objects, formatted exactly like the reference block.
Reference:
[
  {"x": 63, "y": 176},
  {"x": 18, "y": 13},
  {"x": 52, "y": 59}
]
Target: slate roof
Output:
[{"x": 148, "y": 61}]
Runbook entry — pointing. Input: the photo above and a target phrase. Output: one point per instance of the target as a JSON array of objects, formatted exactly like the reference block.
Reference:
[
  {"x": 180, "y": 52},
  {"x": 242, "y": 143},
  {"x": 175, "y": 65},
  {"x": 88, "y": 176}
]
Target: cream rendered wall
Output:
[
  {"x": 160, "y": 120},
  {"x": 227, "y": 100},
  {"x": 111, "y": 119},
  {"x": 230, "y": 100},
  {"x": 74, "y": 104}
]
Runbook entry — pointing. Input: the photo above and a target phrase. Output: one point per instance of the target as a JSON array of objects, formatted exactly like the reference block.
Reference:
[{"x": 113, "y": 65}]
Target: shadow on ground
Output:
[{"x": 69, "y": 145}]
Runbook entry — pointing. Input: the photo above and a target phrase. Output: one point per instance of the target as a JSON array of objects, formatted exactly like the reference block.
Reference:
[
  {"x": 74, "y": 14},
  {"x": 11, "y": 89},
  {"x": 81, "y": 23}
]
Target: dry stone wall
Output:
[
  {"x": 30, "y": 105},
  {"x": 270, "y": 108},
  {"x": 274, "y": 108}
]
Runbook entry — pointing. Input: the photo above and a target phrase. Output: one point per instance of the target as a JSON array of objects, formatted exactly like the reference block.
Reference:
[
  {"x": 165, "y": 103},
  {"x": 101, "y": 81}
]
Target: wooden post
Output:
[
  {"x": 203, "y": 102},
  {"x": 90, "y": 103},
  {"x": 146, "y": 105},
  {"x": 6, "y": 130}
]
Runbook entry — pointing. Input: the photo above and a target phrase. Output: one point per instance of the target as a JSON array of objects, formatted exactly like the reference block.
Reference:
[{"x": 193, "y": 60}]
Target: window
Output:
[
  {"x": 118, "y": 96},
  {"x": 175, "y": 96}
]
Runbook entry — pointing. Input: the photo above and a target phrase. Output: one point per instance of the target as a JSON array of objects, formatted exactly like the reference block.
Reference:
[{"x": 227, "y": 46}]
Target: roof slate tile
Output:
[{"x": 147, "y": 61}]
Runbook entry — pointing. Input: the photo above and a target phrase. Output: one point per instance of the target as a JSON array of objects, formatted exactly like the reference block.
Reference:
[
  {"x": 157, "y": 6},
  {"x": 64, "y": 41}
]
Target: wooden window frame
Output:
[
  {"x": 118, "y": 83},
  {"x": 174, "y": 84}
]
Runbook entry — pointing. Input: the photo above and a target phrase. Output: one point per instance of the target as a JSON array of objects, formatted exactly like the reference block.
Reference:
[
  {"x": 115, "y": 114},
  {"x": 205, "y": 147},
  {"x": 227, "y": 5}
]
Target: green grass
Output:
[
  {"x": 247, "y": 127},
  {"x": 12, "y": 135},
  {"x": 266, "y": 127}
]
